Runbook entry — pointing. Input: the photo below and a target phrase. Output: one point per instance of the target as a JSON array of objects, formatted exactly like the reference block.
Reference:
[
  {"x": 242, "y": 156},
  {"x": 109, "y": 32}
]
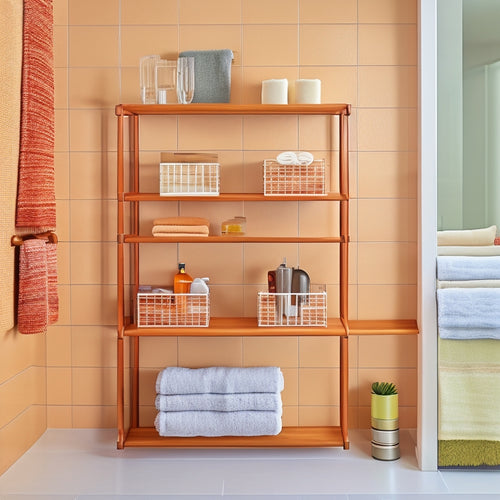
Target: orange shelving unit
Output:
[{"x": 128, "y": 116}]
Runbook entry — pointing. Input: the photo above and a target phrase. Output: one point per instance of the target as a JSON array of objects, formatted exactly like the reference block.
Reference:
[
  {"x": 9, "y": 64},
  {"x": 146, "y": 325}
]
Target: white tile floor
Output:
[{"x": 85, "y": 465}]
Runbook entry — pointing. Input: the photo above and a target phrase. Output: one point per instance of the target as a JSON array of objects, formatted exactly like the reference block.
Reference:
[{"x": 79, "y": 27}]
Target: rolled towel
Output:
[
  {"x": 219, "y": 379},
  {"x": 468, "y": 308},
  {"x": 214, "y": 423},
  {"x": 264, "y": 401},
  {"x": 292, "y": 158},
  {"x": 460, "y": 268},
  {"x": 467, "y": 237}
]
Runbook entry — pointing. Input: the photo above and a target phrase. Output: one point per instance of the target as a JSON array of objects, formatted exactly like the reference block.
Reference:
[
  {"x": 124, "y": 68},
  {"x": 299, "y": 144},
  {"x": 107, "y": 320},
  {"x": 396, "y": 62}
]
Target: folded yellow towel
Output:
[
  {"x": 471, "y": 251},
  {"x": 467, "y": 237},
  {"x": 181, "y": 221}
]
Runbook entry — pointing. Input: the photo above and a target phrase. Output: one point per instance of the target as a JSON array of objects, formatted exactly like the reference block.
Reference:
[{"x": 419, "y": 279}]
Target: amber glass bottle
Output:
[{"x": 182, "y": 280}]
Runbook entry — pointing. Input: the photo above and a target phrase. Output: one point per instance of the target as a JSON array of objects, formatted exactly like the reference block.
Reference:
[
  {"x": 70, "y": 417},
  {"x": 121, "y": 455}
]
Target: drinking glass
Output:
[
  {"x": 165, "y": 79},
  {"x": 185, "y": 80},
  {"x": 147, "y": 66}
]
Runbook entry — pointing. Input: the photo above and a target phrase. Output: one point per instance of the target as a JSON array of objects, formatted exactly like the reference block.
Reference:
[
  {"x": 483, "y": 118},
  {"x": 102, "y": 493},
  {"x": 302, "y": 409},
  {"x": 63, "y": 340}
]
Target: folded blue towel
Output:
[
  {"x": 459, "y": 268},
  {"x": 212, "y": 74},
  {"x": 219, "y": 380},
  {"x": 214, "y": 423},
  {"x": 468, "y": 312},
  {"x": 264, "y": 401}
]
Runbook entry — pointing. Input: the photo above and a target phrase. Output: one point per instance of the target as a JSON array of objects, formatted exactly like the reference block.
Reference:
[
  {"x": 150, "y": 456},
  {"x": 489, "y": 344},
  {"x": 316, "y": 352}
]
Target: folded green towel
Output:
[{"x": 212, "y": 74}]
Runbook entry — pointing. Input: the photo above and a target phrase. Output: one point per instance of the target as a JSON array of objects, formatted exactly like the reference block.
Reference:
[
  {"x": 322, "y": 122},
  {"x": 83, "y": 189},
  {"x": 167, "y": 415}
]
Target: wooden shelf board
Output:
[
  {"x": 131, "y": 238},
  {"x": 383, "y": 327},
  {"x": 290, "y": 437},
  {"x": 238, "y": 327},
  {"x": 232, "y": 109},
  {"x": 223, "y": 197}
]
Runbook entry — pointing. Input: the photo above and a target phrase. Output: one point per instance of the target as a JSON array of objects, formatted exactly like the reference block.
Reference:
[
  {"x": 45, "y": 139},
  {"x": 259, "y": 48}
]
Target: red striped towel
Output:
[
  {"x": 36, "y": 206},
  {"x": 38, "y": 300}
]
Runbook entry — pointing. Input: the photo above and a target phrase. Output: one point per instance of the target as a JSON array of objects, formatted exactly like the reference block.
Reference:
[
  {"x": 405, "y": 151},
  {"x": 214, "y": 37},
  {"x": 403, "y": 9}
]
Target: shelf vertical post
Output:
[
  {"x": 344, "y": 389},
  {"x": 120, "y": 285}
]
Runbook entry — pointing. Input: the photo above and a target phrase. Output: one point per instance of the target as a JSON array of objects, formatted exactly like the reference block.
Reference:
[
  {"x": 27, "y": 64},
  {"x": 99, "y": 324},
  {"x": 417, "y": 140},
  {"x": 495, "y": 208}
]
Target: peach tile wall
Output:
[{"x": 365, "y": 53}]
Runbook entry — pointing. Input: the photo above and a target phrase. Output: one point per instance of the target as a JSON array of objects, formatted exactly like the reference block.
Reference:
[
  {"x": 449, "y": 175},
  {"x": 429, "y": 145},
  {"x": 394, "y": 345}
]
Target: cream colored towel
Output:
[
  {"x": 181, "y": 221},
  {"x": 178, "y": 235},
  {"x": 470, "y": 251},
  {"x": 11, "y": 48},
  {"x": 469, "y": 395},
  {"x": 469, "y": 284},
  {"x": 467, "y": 237}
]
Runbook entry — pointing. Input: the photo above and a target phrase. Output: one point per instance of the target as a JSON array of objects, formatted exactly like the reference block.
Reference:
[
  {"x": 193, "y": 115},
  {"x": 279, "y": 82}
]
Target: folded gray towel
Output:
[
  {"x": 264, "y": 401},
  {"x": 219, "y": 380},
  {"x": 212, "y": 74},
  {"x": 214, "y": 423}
]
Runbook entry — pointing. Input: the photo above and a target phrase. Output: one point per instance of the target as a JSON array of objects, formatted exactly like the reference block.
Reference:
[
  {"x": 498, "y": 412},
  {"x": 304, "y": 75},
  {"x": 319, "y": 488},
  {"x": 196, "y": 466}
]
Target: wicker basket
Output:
[
  {"x": 307, "y": 180},
  {"x": 188, "y": 179},
  {"x": 173, "y": 310}
]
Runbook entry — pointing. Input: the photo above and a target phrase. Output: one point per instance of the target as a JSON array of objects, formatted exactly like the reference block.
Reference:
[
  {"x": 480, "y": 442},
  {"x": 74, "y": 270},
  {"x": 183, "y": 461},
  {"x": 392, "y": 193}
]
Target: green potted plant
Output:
[{"x": 384, "y": 404}]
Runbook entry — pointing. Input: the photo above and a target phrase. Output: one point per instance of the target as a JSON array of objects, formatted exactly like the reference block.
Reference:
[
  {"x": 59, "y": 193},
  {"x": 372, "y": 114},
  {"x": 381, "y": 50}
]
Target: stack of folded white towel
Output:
[
  {"x": 219, "y": 401},
  {"x": 468, "y": 282}
]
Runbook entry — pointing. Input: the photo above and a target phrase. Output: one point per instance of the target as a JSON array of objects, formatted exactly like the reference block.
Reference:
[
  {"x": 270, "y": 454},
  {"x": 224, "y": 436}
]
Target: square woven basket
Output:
[
  {"x": 173, "y": 310},
  {"x": 188, "y": 179},
  {"x": 292, "y": 309},
  {"x": 307, "y": 180}
]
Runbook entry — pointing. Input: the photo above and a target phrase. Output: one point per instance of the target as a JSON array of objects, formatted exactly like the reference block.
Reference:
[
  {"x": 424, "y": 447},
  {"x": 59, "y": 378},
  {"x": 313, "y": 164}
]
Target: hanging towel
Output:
[
  {"x": 53, "y": 297},
  {"x": 36, "y": 206},
  {"x": 467, "y": 237},
  {"x": 212, "y": 74},
  {"x": 219, "y": 379},
  {"x": 459, "y": 268},
  {"x": 11, "y": 48},
  {"x": 32, "y": 314},
  {"x": 264, "y": 401},
  {"x": 469, "y": 403},
  {"x": 214, "y": 423}
]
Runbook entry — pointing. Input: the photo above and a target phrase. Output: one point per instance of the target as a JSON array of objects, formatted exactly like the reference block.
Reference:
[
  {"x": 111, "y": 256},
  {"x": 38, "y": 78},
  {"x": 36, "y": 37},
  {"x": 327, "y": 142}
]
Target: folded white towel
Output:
[
  {"x": 219, "y": 379},
  {"x": 466, "y": 312},
  {"x": 263, "y": 401},
  {"x": 459, "y": 268},
  {"x": 213, "y": 423},
  {"x": 292, "y": 158}
]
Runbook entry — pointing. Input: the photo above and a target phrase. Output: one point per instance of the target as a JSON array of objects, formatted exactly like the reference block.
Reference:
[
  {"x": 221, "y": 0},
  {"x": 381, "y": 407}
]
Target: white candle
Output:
[
  {"x": 275, "y": 91},
  {"x": 308, "y": 91}
]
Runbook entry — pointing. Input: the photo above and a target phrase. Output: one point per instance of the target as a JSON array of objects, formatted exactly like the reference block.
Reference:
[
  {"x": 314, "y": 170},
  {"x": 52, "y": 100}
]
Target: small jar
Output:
[{"x": 234, "y": 227}]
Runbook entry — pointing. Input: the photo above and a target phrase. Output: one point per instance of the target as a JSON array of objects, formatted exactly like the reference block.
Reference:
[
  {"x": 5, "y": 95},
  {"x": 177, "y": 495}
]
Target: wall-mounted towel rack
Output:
[{"x": 17, "y": 240}]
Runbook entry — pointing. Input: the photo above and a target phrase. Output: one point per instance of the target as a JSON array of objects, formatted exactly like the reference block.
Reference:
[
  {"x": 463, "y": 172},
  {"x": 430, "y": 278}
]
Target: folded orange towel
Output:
[
  {"x": 203, "y": 230},
  {"x": 181, "y": 221},
  {"x": 178, "y": 235}
]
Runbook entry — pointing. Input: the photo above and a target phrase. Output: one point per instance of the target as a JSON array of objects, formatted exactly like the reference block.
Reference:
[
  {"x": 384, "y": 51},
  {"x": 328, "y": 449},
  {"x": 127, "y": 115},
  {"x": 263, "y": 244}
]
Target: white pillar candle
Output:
[
  {"x": 275, "y": 91},
  {"x": 308, "y": 91}
]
